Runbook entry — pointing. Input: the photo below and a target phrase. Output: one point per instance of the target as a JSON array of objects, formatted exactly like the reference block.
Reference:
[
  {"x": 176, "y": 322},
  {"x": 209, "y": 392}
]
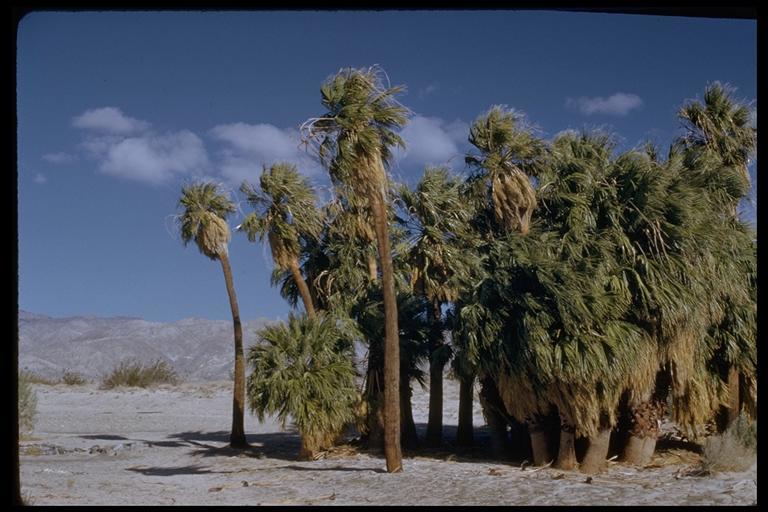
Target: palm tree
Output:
[
  {"x": 353, "y": 139},
  {"x": 303, "y": 370},
  {"x": 720, "y": 125},
  {"x": 719, "y": 134},
  {"x": 508, "y": 154},
  {"x": 285, "y": 213},
  {"x": 437, "y": 218},
  {"x": 203, "y": 219}
]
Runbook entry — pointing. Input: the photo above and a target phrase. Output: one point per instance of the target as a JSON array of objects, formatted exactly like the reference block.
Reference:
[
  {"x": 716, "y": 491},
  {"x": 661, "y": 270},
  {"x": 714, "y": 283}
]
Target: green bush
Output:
[
  {"x": 142, "y": 375},
  {"x": 27, "y": 404},
  {"x": 734, "y": 450},
  {"x": 72, "y": 378},
  {"x": 303, "y": 369}
]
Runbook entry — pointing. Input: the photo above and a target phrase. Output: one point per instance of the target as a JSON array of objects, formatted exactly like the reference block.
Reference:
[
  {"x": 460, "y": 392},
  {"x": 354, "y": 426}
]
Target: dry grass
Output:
[
  {"x": 73, "y": 378},
  {"x": 137, "y": 374},
  {"x": 734, "y": 450},
  {"x": 34, "y": 378}
]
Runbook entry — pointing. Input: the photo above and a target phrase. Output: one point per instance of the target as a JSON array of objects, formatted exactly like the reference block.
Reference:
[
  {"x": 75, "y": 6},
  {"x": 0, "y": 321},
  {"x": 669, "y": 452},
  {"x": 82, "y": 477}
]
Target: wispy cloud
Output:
[
  {"x": 250, "y": 147},
  {"x": 126, "y": 147},
  {"x": 59, "y": 158},
  {"x": 431, "y": 140},
  {"x": 619, "y": 104},
  {"x": 40, "y": 179},
  {"x": 150, "y": 158},
  {"x": 110, "y": 120},
  {"x": 429, "y": 89}
]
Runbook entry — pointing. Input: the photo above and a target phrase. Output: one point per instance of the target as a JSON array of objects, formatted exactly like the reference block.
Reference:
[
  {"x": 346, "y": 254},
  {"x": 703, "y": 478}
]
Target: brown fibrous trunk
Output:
[
  {"x": 237, "y": 435},
  {"x": 465, "y": 431},
  {"x": 539, "y": 445},
  {"x": 392, "y": 449},
  {"x": 301, "y": 284},
  {"x": 566, "y": 453},
  {"x": 409, "y": 438},
  {"x": 645, "y": 428},
  {"x": 434, "y": 435},
  {"x": 597, "y": 452}
]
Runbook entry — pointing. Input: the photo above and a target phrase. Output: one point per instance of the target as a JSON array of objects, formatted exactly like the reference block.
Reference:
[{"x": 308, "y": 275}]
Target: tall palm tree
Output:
[
  {"x": 203, "y": 220},
  {"x": 353, "y": 139},
  {"x": 720, "y": 134},
  {"x": 437, "y": 219},
  {"x": 285, "y": 213},
  {"x": 723, "y": 126},
  {"x": 509, "y": 152}
]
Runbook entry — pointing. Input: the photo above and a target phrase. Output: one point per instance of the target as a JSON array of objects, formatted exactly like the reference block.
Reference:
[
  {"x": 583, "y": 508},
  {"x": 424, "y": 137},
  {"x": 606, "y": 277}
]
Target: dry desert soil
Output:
[{"x": 167, "y": 446}]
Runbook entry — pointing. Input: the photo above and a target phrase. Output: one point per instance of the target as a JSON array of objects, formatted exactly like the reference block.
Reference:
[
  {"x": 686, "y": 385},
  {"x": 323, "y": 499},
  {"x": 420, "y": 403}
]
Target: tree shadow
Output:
[
  {"x": 172, "y": 471},
  {"x": 333, "y": 468},
  {"x": 106, "y": 437},
  {"x": 273, "y": 445}
]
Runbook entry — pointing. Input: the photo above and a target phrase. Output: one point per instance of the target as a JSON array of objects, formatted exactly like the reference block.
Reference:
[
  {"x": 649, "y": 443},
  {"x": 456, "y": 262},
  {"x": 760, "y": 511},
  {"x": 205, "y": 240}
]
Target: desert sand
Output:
[{"x": 167, "y": 446}]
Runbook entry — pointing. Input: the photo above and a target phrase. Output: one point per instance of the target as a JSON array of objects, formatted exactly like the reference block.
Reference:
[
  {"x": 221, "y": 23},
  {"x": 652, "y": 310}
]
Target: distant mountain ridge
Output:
[{"x": 198, "y": 349}]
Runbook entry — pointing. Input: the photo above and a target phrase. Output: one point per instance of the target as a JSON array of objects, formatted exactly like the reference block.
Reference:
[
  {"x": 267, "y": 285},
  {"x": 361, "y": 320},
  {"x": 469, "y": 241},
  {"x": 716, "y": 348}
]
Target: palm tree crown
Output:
[
  {"x": 203, "y": 219},
  {"x": 285, "y": 212}
]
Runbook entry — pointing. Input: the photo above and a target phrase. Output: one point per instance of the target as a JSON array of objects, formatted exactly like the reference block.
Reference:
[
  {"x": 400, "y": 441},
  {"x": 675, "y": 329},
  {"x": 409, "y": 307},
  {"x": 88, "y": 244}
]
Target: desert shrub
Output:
[
  {"x": 27, "y": 404},
  {"x": 138, "y": 374},
  {"x": 303, "y": 369},
  {"x": 734, "y": 450},
  {"x": 34, "y": 378},
  {"x": 72, "y": 378}
]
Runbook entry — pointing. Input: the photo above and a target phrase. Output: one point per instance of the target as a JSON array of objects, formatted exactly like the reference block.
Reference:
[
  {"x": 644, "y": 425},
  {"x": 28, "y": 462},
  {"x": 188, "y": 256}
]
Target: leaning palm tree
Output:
[
  {"x": 353, "y": 139},
  {"x": 437, "y": 219},
  {"x": 285, "y": 213},
  {"x": 203, "y": 220}
]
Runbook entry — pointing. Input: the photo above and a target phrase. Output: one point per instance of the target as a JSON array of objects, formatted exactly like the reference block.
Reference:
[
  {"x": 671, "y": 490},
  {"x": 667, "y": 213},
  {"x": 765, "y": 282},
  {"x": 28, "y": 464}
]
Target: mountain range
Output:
[{"x": 197, "y": 349}]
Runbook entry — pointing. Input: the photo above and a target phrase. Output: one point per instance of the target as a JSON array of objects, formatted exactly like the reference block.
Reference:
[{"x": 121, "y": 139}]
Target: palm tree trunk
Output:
[
  {"x": 595, "y": 459},
  {"x": 539, "y": 445},
  {"x": 436, "y": 364},
  {"x": 237, "y": 435},
  {"x": 303, "y": 288},
  {"x": 492, "y": 405},
  {"x": 392, "y": 450},
  {"x": 730, "y": 411},
  {"x": 733, "y": 395},
  {"x": 566, "y": 453},
  {"x": 644, "y": 431},
  {"x": 409, "y": 437},
  {"x": 465, "y": 432}
]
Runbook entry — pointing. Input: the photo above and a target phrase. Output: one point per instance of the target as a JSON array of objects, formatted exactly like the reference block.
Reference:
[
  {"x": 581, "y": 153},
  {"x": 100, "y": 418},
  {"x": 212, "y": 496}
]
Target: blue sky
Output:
[{"x": 116, "y": 110}]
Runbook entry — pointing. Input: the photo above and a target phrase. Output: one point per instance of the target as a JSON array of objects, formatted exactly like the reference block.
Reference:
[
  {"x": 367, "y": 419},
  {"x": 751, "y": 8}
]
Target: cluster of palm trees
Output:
[{"x": 588, "y": 292}]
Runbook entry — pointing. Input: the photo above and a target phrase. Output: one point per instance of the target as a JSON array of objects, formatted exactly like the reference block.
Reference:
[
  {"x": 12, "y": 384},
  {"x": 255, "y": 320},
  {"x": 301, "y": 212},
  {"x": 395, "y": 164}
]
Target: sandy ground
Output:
[{"x": 167, "y": 446}]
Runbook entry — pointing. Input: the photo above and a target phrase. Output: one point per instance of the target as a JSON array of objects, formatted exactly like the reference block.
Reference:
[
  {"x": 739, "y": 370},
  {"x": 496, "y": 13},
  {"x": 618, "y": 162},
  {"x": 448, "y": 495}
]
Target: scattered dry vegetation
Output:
[
  {"x": 734, "y": 450},
  {"x": 138, "y": 374},
  {"x": 27, "y": 404},
  {"x": 71, "y": 378}
]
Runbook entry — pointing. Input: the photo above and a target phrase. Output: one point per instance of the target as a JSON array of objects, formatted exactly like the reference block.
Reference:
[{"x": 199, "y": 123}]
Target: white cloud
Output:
[
  {"x": 250, "y": 147},
  {"x": 150, "y": 158},
  {"x": 429, "y": 89},
  {"x": 109, "y": 119},
  {"x": 40, "y": 179},
  {"x": 58, "y": 158},
  {"x": 431, "y": 140},
  {"x": 618, "y": 104}
]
